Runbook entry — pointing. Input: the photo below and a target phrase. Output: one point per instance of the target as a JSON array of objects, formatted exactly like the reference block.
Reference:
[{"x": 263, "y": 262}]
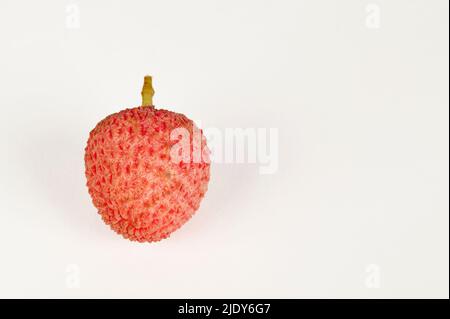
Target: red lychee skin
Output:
[{"x": 139, "y": 191}]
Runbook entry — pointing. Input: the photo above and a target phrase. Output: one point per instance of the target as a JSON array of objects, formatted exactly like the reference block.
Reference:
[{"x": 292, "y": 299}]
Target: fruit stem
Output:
[{"x": 147, "y": 91}]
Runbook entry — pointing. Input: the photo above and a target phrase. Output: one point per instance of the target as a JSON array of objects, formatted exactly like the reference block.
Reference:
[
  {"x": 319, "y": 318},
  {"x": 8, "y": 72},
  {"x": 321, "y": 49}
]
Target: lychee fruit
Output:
[{"x": 147, "y": 170}]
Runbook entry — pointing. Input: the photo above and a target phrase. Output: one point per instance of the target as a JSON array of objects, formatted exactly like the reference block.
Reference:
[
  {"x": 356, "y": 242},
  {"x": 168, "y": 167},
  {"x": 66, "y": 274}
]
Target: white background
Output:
[{"x": 357, "y": 208}]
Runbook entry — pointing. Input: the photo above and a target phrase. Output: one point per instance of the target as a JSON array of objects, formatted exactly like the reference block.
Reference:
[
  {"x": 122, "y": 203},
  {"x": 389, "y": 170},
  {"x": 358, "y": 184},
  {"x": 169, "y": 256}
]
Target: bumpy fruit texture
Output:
[{"x": 140, "y": 191}]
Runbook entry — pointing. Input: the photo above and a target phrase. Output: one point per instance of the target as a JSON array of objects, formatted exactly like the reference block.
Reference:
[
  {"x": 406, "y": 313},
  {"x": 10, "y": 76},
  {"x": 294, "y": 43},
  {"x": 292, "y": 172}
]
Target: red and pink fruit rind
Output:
[{"x": 138, "y": 189}]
